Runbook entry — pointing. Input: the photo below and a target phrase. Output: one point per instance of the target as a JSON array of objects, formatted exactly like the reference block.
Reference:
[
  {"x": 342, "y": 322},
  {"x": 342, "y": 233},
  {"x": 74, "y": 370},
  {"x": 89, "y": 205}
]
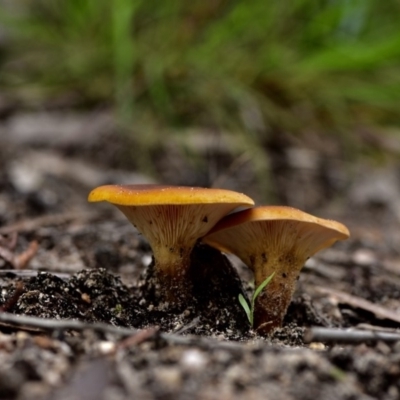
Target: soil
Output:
[{"x": 62, "y": 259}]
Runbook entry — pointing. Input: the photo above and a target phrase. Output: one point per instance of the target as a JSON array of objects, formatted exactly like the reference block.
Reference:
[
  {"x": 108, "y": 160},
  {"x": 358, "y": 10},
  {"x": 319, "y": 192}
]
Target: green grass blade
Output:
[
  {"x": 246, "y": 308},
  {"x": 262, "y": 286},
  {"x": 258, "y": 291}
]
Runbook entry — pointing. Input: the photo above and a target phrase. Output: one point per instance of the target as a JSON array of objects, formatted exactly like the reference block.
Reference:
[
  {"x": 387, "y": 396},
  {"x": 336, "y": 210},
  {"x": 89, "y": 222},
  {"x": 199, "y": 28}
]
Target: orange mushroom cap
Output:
[
  {"x": 172, "y": 218},
  {"x": 150, "y": 194},
  {"x": 257, "y": 226}
]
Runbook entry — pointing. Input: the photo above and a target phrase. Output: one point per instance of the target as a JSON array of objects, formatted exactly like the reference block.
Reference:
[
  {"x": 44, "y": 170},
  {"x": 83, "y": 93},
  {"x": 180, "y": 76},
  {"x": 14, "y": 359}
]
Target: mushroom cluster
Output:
[{"x": 268, "y": 239}]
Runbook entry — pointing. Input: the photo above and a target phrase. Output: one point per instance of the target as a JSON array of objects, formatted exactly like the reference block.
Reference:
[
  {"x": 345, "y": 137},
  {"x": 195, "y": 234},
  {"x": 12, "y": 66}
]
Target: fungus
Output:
[
  {"x": 172, "y": 218},
  {"x": 274, "y": 239}
]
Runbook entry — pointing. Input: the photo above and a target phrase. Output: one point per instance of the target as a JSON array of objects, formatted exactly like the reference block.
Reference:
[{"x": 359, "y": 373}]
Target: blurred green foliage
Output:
[{"x": 256, "y": 67}]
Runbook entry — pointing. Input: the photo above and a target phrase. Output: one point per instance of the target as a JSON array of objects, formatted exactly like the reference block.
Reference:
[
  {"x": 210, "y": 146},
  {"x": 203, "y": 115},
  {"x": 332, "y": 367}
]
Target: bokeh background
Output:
[
  {"x": 292, "y": 102},
  {"x": 295, "y": 102}
]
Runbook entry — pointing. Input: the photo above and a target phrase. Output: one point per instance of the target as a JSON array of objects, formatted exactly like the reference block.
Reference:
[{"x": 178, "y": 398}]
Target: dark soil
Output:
[{"x": 91, "y": 266}]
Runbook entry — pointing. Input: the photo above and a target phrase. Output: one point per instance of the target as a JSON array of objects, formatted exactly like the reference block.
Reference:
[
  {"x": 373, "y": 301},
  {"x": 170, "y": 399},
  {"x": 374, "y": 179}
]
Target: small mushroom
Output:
[
  {"x": 172, "y": 218},
  {"x": 274, "y": 239}
]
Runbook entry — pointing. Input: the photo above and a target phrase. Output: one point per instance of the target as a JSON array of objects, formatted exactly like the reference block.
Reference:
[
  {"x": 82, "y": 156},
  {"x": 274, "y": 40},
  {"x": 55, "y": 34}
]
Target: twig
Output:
[
  {"x": 339, "y": 335},
  {"x": 21, "y": 261},
  {"x": 47, "y": 220},
  {"x": 188, "y": 326},
  {"x": 54, "y": 324},
  {"x": 59, "y": 325},
  {"x": 375, "y": 328},
  {"x": 358, "y": 302},
  {"x": 138, "y": 337},
  {"x": 29, "y": 273}
]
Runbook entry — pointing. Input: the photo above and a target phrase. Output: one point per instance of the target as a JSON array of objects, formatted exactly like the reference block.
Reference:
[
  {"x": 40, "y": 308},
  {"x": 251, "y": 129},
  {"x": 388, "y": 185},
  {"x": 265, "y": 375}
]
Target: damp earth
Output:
[{"x": 62, "y": 259}]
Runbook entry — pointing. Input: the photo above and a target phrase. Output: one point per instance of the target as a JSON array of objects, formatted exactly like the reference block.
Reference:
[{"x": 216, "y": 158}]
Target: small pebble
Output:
[
  {"x": 364, "y": 257},
  {"x": 146, "y": 260},
  {"x": 316, "y": 346},
  {"x": 106, "y": 347},
  {"x": 86, "y": 298},
  {"x": 193, "y": 360}
]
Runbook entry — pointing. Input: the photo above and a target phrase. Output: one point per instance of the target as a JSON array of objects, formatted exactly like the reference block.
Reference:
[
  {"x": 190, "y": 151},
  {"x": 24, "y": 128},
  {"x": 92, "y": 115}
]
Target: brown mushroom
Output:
[
  {"x": 274, "y": 239},
  {"x": 172, "y": 218}
]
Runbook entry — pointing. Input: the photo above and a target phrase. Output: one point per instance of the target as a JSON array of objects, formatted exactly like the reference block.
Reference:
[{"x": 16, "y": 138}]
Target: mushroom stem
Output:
[
  {"x": 171, "y": 273},
  {"x": 272, "y": 303},
  {"x": 172, "y": 231},
  {"x": 172, "y": 260}
]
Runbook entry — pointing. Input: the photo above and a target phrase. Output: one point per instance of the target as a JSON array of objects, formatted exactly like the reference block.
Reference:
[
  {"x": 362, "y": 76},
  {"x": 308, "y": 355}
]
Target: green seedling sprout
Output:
[{"x": 250, "y": 309}]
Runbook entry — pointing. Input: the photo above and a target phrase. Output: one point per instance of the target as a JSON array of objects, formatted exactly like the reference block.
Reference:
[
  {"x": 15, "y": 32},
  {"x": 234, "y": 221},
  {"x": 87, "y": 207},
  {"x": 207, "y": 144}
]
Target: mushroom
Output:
[
  {"x": 172, "y": 218},
  {"x": 274, "y": 239}
]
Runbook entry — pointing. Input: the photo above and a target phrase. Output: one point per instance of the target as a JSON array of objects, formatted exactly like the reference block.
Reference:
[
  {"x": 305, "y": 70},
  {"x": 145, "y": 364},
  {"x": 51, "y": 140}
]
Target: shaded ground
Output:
[{"x": 92, "y": 262}]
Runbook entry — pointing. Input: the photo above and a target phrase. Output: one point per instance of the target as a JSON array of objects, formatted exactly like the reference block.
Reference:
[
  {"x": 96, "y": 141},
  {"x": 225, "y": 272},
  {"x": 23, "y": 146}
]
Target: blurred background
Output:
[{"x": 293, "y": 102}]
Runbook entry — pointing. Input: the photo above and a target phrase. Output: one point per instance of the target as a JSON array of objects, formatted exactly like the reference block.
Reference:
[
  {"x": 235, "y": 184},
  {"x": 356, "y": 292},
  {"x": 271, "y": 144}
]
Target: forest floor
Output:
[{"x": 73, "y": 324}]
